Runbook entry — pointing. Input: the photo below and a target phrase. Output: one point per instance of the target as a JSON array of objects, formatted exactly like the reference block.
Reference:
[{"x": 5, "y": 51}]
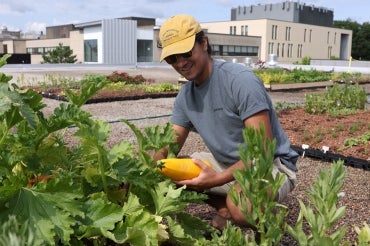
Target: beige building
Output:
[{"x": 289, "y": 41}]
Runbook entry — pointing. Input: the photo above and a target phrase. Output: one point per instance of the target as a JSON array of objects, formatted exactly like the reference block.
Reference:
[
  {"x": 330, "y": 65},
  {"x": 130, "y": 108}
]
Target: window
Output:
[
  {"x": 328, "y": 38},
  {"x": 299, "y": 51},
  {"x": 330, "y": 49},
  {"x": 271, "y": 48},
  {"x": 5, "y": 48},
  {"x": 215, "y": 50},
  {"x": 246, "y": 30},
  {"x": 287, "y": 33},
  {"x": 304, "y": 35},
  {"x": 290, "y": 50},
  {"x": 91, "y": 50},
  {"x": 144, "y": 50},
  {"x": 242, "y": 30},
  {"x": 234, "y": 30},
  {"x": 310, "y": 35},
  {"x": 274, "y": 32},
  {"x": 231, "y": 30}
]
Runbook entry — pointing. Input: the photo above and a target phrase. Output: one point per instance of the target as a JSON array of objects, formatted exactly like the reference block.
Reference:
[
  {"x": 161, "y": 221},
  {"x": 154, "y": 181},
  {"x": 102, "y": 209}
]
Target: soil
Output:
[{"x": 333, "y": 132}]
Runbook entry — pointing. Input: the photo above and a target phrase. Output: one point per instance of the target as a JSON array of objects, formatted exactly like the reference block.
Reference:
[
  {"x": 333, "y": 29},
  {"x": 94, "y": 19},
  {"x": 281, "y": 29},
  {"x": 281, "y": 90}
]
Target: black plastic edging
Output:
[{"x": 332, "y": 157}]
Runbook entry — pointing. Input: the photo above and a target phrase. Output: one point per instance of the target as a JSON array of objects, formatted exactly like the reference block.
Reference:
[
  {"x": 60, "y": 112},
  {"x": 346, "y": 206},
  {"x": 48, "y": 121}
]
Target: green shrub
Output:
[
  {"x": 306, "y": 60},
  {"x": 337, "y": 100}
]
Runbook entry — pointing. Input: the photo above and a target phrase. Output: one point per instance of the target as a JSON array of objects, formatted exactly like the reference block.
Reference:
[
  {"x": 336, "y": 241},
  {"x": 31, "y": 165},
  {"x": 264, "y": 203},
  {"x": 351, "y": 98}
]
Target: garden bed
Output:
[{"x": 317, "y": 131}]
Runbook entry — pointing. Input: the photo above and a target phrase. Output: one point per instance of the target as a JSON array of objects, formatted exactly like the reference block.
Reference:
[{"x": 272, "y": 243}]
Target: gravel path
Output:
[{"x": 151, "y": 112}]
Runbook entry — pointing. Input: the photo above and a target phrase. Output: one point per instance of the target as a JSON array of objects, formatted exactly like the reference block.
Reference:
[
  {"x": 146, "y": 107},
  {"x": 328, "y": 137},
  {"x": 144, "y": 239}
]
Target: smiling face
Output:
[{"x": 196, "y": 67}]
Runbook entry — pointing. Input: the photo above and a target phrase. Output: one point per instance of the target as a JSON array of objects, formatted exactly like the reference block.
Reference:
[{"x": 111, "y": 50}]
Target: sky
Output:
[{"x": 36, "y": 15}]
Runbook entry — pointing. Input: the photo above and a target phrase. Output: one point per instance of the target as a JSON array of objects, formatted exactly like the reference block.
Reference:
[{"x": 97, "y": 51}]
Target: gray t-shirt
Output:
[{"x": 218, "y": 107}]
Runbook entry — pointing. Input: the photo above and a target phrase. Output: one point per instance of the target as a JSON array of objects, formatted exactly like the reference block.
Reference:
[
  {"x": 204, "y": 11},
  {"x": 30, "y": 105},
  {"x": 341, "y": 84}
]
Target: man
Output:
[{"x": 219, "y": 101}]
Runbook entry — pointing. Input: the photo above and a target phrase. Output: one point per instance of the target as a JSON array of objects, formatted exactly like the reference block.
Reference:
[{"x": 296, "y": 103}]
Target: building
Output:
[
  {"x": 288, "y": 11},
  {"x": 289, "y": 30},
  {"x": 10, "y": 42}
]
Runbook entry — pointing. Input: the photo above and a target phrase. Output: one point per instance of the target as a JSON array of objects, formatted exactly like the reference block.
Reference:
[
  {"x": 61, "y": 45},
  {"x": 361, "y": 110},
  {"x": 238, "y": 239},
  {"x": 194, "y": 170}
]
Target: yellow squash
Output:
[{"x": 180, "y": 168}]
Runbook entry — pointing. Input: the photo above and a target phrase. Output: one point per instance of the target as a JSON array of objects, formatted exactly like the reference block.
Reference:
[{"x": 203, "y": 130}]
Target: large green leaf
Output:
[
  {"x": 50, "y": 214},
  {"x": 139, "y": 226},
  {"x": 166, "y": 198},
  {"x": 101, "y": 216}
]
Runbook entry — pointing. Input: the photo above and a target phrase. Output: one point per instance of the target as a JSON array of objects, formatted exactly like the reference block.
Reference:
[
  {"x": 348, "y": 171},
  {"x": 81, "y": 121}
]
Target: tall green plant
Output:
[
  {"x": 259, "y": 186},
  {"x": 322, "y": 213}
]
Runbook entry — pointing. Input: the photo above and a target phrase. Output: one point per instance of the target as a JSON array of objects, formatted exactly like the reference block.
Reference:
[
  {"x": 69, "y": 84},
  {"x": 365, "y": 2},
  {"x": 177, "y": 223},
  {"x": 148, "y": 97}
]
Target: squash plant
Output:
[{"x": 62, "y": 194}]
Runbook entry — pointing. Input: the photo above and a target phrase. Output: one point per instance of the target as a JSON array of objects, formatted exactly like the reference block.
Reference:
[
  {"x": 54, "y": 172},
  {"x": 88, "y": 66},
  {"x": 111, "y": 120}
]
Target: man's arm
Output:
[{"x": 209, "y": 178}]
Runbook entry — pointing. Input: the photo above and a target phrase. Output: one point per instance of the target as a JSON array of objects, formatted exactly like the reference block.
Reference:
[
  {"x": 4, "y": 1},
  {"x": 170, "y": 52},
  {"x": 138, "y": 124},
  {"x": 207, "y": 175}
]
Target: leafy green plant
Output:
[
  {"x": 321, "y": 213},
  {"x": 280, "y": 106},
  {"x": 319, "y": 135},
  {"x": 259, "y": 186},
  {"x": 87, "y": 192},
  {"x": 13, "y": 233},
  {"x": 157, "y": 88},
  {"x": 296, "y": 75},
  {"x": 337, "y": 100},
  {"x": 363, "y": 234},
  {"x": 306, "y": 60},
  {"x": 354, "y": 127},
  {"x": 349, "y": 142}
]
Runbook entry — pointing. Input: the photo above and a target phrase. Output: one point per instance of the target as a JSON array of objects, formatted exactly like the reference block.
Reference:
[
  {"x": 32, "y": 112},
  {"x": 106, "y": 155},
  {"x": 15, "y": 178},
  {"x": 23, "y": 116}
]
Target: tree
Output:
[
  {"x": 360, "y": 38},
  {"x": 363, "y": 42},
  {"x": 61, "y": 54}
]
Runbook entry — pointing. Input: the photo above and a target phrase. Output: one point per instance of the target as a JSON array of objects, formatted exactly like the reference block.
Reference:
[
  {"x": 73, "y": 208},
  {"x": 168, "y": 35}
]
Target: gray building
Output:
[{"x": 288, "y": 11}]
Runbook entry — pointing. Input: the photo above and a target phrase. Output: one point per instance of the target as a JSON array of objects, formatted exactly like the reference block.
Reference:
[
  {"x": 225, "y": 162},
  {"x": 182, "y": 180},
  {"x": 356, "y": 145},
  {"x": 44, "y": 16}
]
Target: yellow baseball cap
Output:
[{"x": 177, "y": 34}]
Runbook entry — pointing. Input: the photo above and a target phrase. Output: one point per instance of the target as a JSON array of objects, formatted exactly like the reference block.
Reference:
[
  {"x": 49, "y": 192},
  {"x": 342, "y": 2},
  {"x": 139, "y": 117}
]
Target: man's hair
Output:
[{"x": 200, "y": 37}]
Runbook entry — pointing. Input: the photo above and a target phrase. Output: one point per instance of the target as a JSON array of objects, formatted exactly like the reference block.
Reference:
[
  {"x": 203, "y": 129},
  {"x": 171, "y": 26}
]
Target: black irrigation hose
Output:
[
  {"x": 141, "y": 118},
  {"x": 332, "y": 157}
]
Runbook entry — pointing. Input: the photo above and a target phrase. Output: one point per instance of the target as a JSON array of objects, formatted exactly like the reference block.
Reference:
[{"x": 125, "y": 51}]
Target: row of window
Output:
[
  {"x": 234, "y": 50},
  {"x": 288, "y": 31},
  {"x": 90, "y": 50},
  {"x": 243, "y": 30},
  {"x": 39, "y": 50},
  {"x": 282, "y": 50}
]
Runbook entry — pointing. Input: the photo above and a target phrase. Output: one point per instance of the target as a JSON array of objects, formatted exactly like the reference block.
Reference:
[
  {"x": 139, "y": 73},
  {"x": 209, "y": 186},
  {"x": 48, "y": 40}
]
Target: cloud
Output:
[
  {"x": 15, "y": 7},
  {"x": 35, "y": 27}
]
